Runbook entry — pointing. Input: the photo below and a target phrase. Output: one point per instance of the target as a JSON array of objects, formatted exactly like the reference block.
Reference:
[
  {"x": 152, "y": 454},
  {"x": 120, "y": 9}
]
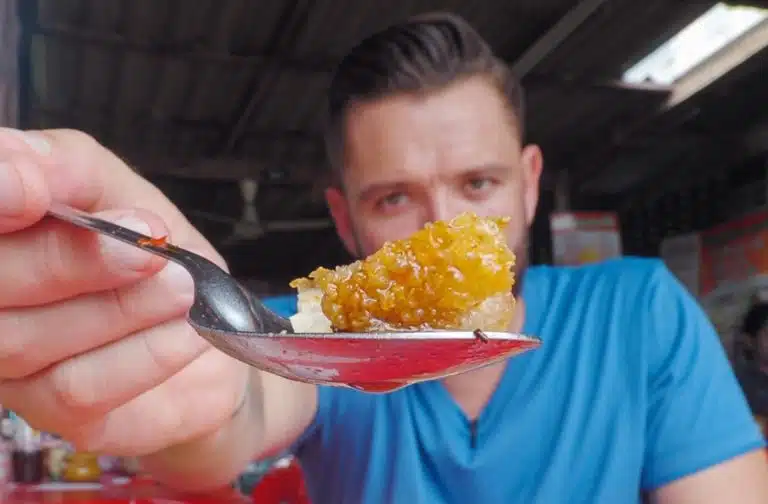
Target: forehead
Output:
[{"x": 461, "y": 127}]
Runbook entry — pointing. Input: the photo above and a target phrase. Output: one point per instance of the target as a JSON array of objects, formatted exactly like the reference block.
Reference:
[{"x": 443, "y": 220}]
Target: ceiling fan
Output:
[{"x": 250, "y": 226}]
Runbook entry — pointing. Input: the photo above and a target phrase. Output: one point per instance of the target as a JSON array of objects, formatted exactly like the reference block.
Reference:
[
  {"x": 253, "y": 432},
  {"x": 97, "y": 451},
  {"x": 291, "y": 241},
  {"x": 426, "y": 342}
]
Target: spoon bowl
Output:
[
  {"x": 233, "y": 320},
  {"x": 372, "y": 362}
]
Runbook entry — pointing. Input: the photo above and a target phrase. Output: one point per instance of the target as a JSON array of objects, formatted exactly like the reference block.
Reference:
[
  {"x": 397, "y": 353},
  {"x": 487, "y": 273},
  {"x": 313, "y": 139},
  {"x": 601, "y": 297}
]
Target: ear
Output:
[
  {"x": 339, "y": 208},
  {"x": 533, "y": 164}
]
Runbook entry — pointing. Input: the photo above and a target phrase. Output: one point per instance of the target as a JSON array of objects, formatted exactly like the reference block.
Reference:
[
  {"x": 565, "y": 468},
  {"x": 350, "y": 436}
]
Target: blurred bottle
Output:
[
  {"x": 26, "y": 453},
  {"x": 81, "y": 467},
  {"x": 6, "y": 425},
  {"x": 5, "y": 452}
]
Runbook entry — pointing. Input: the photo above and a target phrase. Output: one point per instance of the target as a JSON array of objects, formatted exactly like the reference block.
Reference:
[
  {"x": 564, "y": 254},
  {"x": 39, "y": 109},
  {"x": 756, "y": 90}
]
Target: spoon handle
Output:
[{"x": 158, "y": 247}]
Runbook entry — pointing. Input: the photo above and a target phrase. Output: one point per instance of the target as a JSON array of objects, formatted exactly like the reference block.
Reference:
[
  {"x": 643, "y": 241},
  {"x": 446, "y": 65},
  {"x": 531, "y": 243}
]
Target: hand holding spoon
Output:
[{"x": 233, "y": 320}]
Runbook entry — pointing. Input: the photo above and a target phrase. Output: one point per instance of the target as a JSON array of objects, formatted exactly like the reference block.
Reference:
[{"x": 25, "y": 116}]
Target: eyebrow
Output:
[{"x": 488, "y": 169}]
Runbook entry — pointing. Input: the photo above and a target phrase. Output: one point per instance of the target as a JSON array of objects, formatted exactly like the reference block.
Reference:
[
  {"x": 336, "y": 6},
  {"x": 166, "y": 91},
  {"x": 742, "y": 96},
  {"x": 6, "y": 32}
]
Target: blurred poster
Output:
[
  {"x": 584, "y": 237},
  {"x": 734, "y": 271}
]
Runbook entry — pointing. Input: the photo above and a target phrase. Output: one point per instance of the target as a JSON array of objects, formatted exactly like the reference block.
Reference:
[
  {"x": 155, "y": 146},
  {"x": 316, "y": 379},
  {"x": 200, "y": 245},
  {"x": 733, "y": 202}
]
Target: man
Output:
[
  {"x": 630, "y": 393},
  {"x": 751, "y": 359}
]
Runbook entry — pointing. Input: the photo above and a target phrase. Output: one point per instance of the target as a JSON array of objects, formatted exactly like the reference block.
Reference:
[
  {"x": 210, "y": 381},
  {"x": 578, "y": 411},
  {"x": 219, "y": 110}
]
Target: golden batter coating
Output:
[{"x": 455, "y": 274}]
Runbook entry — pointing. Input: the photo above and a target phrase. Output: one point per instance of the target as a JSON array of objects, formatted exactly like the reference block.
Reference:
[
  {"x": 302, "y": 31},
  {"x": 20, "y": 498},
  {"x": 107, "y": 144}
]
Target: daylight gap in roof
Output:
[{"x": 702, "y": 40}]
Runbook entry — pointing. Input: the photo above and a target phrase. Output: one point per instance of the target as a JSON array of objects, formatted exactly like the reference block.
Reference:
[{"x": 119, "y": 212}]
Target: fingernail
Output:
[
  {"x": 36, "y": 141},
  {"x": 122, "y": 255},
  {"x": 179, "y": 281},
  {"x": 11, "y": 191}
]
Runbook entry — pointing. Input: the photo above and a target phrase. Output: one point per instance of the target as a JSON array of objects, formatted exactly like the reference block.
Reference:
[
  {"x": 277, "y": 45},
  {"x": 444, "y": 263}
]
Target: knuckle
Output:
[
  {"x": 75, "y": 394},
  {"x": 171, "y": 346},
  {"x": 160, "y": 360},
  {"x": 16, "y": 357},
  {"x": 56, "y": 261},
  {"x": 173, "y": 424},
  {"x": 227, "y": 378},
  {"x": 12, "y": 352},
  {"x": 20, "y": 160},
  {"x": 76, "y": 136},
  {"x": 10, "y": 326},
  {"x": 121, "y": 308}
]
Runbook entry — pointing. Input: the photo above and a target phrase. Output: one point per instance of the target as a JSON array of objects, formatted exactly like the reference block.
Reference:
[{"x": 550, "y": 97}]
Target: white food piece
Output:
[
  {"x": 493, "y": 312},
  {"x": 310, "y": 323},
  {"x": 310, "y": 317}
]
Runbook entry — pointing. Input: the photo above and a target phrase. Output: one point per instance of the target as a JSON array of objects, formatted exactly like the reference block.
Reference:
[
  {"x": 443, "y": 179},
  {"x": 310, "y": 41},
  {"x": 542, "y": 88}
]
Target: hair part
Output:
[{"x": 424, "y": 54}]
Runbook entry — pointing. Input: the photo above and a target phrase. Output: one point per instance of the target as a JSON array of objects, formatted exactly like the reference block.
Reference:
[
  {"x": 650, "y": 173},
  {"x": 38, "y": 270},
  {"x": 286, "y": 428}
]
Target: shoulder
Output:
[
  {"x": 629, "y": 301},
  {"x": 624, "y": 270},
  {"x": 622, "y": 279}
]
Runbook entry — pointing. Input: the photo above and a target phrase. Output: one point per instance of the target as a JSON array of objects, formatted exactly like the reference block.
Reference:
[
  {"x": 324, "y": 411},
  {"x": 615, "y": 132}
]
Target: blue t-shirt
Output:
[{"x": 630, "y": 390}]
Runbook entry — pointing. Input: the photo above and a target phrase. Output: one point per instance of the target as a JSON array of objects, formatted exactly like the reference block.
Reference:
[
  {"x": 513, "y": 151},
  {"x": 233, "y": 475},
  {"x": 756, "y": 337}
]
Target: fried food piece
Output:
[
  {"x": 455, "y": 274},
  {"x": 161, "y": 242}
]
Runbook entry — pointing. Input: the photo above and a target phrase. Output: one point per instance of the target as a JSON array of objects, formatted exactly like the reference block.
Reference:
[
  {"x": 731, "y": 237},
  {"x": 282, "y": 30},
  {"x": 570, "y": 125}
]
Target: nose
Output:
[{"x": 441, "y": 205}]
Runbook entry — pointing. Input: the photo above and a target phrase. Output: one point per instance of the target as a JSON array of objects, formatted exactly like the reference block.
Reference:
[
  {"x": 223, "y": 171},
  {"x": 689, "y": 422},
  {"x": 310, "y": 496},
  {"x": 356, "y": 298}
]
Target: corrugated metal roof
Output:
[
  {"x": 228, "y": 88},
  {"x": 619, "y": 34},
  {"x": 704, "y": 135},
  {"x": 155, "y": 78}
]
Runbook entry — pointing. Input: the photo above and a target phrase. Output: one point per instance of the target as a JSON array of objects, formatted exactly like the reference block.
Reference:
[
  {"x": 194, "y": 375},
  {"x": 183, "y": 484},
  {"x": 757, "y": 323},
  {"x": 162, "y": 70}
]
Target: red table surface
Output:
[{"x": 133, "y": 494}]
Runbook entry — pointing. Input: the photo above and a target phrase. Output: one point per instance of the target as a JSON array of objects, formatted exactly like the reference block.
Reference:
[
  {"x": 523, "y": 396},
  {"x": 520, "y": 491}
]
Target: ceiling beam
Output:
[
  {"x": 658, "y": 159},
  {"x": 320, "y": 64},
  {"x": 756, "y": 140},
  {"x": 293, "y": 19},
  {"x": 297, "y": 140},
  {"x": 223, "y": 168},
  {"x": 677, "y": 106},
  {"x": 161, "y": 121},
  {"x": 708, "y": 158},
  {"x": 238, "y": 168},
  {"x": 721, "y": 64},
  {"x": 657, "y": 125},
  {"x": 302, "y": 164},
  {"x": 674, "y": 176},
  {"x": 555, "y": 36},
  {"x": 197, "y": 51},
  {"x": 185, "y": 50},
  {"x": 523, "y": 66},
  {"x": 547, "y": 80}
]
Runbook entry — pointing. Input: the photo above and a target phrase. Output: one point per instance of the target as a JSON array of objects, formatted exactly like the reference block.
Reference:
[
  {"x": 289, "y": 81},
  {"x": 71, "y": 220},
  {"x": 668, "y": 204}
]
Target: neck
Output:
[{"x": 473, "y": 390}]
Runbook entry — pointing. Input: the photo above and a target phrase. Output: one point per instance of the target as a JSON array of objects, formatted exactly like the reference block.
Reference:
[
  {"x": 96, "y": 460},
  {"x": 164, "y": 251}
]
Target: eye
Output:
[
  {"x": 477, "y": 186},
  {"x": 392, "y": 201}
]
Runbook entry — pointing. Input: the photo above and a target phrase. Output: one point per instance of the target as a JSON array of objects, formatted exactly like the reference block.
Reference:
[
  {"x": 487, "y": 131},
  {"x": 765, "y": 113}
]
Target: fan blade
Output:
[
  {"x": 297, "y": 225},
  {"x": 249, "y": 189},
  {"x": 212, "y": 217},
  {"x": 229, "y": 241}
]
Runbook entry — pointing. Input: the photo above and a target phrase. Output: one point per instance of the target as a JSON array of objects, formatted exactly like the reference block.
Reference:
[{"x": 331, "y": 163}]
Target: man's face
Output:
[{"x": 415, "y": 159}]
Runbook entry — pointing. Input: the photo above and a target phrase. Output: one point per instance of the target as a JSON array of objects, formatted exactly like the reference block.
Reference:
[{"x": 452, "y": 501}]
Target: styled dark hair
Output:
[{"x": 425, "y": 53}]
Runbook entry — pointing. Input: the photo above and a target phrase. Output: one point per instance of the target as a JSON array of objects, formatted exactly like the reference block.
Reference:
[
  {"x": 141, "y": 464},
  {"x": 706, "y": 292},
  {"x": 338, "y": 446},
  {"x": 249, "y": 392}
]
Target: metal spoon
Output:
[{"x": 233, "y": 320}]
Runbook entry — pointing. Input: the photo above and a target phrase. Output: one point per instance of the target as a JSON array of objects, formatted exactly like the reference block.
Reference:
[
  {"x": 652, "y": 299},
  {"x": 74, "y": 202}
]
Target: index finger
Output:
[{"x": 80, "y": 172}]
